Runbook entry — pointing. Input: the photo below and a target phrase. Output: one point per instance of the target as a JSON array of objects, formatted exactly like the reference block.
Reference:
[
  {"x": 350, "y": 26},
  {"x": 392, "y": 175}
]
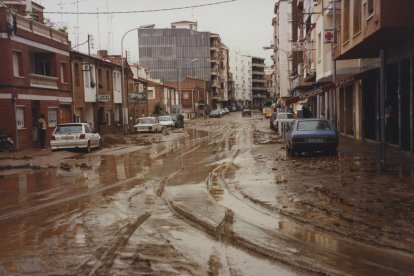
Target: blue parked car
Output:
[{"x": 311, "y": 135}]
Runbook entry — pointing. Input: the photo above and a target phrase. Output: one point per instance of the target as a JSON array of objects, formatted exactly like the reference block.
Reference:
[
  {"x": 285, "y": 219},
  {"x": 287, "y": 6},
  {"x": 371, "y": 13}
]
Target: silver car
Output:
[
  {"x": 166, "y": 121},
  {"x": 148, "y": 124},
  {"x": 75, "y": 136}
]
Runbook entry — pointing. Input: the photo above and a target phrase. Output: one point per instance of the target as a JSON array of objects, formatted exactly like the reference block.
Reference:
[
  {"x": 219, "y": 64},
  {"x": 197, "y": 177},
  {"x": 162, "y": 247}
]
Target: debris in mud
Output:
[
  {"x": 84, "y": 166},
  {"x": 65, "y": 166},
  {"x": 281, "y": 179}
]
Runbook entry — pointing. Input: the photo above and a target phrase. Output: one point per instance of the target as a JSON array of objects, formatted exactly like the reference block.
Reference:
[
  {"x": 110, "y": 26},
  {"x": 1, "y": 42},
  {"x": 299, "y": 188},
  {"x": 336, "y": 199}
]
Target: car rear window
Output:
[
  {"x": 69, "y": 129},
  {"x": 285, "y": 116},
  {"x": 165, "y": 118},
  {"x": 146, "y": 121},
  {"x": 313, "y": 125}
]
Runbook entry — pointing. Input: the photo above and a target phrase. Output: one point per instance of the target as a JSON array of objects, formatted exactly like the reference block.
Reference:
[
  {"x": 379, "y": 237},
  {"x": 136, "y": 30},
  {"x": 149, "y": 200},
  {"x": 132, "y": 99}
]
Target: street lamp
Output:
[
  {"x": 122, "y": 70},
  {"x": 272, "y": 47},
  {"x": 179, "y": 79}
]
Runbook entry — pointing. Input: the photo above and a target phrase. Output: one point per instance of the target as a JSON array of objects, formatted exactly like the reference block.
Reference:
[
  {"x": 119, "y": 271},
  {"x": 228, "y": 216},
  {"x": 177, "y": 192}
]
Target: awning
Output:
[{"x": 326, "y": 88}]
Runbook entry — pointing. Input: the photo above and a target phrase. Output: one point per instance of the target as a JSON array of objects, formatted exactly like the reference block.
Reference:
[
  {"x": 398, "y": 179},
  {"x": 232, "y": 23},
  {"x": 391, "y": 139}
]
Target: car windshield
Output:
[
  {"x": 214, "y": 111},
  {"x": 68, "y": 129},
  {"x": 313, "y": 125},
  {"x": 146, "y": 121},
  {"x": 285, "y": 116},
  {"x": 165, "y": 118}
]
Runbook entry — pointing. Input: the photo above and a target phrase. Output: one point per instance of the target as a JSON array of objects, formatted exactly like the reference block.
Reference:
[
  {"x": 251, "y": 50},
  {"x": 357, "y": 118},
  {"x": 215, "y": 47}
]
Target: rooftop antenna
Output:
[{"x": 99, "y": 29}]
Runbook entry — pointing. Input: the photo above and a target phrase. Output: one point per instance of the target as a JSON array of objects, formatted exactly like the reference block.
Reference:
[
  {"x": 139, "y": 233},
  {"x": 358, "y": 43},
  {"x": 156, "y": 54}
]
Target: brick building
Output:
[{"x": 34, "y": 76}]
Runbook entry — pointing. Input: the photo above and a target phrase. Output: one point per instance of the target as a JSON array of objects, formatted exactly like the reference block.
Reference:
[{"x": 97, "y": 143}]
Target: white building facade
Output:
[{"x": 241, "y": 68}]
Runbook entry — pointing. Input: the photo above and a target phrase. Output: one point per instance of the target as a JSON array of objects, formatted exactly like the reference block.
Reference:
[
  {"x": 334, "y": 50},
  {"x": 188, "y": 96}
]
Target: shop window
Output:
[
  {"x": 20, "y": 117},
  {"x": 52, "y": 117},
  {"x": 17, "y": 64}
]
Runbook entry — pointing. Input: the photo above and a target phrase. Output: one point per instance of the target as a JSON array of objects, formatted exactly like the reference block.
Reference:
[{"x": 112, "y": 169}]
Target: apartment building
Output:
[
  {"x": 97, "y": 91},
  {"x": 282, "y": 55},
  {"x": 241, "y": 69},
  {"x": 181, "y": 52},
  {"x": 381, "y": 33},
  {"x": 259, "y": 91},
  {"x": 35, "y": 74}
]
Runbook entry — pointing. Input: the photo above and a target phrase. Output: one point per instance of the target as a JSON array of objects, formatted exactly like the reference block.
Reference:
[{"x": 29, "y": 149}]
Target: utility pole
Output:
[{"x": 334, "y": 109}]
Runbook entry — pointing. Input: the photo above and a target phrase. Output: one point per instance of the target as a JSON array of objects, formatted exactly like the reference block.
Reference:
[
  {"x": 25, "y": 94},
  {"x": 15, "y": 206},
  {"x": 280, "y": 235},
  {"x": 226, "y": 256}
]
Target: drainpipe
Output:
[{"x": 382, "y": 109}]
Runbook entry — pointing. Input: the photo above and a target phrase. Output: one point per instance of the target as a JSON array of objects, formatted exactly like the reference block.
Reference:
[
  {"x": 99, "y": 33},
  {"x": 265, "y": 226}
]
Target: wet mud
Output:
[{"x": 219, "y": 198}]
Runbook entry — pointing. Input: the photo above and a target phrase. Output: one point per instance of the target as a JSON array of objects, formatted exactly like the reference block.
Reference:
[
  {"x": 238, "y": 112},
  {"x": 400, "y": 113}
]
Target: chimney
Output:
[{"x": 103, "y": 53}]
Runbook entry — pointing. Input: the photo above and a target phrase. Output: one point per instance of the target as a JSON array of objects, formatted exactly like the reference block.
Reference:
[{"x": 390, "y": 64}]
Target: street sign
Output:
[
  {"x": 104, "y": 98},
  {"x": 328, "y": 36},
  {"x": 299, "y": 46}
]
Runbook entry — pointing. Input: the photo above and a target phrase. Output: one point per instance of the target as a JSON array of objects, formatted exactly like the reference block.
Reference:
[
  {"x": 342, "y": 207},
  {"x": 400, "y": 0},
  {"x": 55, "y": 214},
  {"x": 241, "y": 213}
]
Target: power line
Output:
[{"x": 143, "y": 11}]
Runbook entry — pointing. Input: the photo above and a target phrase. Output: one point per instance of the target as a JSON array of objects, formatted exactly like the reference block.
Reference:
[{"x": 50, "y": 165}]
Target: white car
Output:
[
  {"x": 147, "y": 124},
  {"x": 283, "y": 119},
  {"x": 166, "y": 121},
  {"x": 75, "y": 136}
]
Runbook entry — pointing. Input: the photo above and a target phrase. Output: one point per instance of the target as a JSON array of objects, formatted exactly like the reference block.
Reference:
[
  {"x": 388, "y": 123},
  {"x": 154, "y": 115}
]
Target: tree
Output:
[
  {"x": 267, "y": 102},
  {"x": 158, "y": 110}
]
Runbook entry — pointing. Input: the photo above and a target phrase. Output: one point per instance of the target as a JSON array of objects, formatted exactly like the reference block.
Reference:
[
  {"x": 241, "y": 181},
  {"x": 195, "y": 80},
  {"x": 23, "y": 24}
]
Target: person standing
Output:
[{"x": 41, "y": 123}]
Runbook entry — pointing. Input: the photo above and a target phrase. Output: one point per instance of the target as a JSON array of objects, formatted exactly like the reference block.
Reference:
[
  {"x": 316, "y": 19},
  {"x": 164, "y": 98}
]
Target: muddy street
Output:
[{"x": 219, "y": 198}]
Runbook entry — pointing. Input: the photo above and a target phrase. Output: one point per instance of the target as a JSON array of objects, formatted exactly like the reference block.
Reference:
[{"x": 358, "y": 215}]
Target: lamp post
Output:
[
  {"x": 272, "y": 47},
  {"x": 179, "y": 79},
  {"x": 124, "y": 100}
]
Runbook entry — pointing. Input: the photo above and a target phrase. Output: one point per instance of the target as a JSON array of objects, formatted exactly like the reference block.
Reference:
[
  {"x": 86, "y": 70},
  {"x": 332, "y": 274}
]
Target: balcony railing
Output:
[
  {"x": 43, "y": 81},
  {"x": 40, "y": 29}
]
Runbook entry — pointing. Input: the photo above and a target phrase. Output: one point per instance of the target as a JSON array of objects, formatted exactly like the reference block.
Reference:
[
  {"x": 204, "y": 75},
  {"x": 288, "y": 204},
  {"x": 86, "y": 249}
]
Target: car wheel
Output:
[{"x": 88, "y": 147}]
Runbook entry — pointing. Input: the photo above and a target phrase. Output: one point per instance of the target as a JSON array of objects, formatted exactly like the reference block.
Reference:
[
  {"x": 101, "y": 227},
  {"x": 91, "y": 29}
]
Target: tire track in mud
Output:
[
  {"x": 103, "y": 259},
  {"x": 306, "y": 260}
]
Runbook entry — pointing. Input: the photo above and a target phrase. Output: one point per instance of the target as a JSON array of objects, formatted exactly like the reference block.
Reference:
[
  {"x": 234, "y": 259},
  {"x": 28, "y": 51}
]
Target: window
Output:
[
  {"x": 20, "y": 117},
  {"x": 151, "y": 93},
  {"x": 319, "y": 46},
  {"x": 186, "y": 95},
  {"x": 115, "y": 82},
  {"x": 40, "y": 64},
  {"x": 63, "y": 72},
  {"x": 108, "y": 82},
  {"x": 77, "y": 75},
  {"x": 345, "y": 25},
  {"x": 108, "y": 117},
  {"x": 370, "y": 8},
  {"x": 357, "y": 16},
  {"x": 52, "y": 117},
  {"x": 88, "y": 76},
  {"x": 17, "y": 64}
]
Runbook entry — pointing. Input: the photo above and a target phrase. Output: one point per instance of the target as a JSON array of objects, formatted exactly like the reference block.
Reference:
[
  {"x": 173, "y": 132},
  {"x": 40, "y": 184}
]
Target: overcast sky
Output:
[{"x": 243, "y": 25}]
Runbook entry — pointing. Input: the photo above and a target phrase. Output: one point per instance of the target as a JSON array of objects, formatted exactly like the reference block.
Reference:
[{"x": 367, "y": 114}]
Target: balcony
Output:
[
  {"x": 40, "y": 29},
  {"x": 41, "y": 81}
]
